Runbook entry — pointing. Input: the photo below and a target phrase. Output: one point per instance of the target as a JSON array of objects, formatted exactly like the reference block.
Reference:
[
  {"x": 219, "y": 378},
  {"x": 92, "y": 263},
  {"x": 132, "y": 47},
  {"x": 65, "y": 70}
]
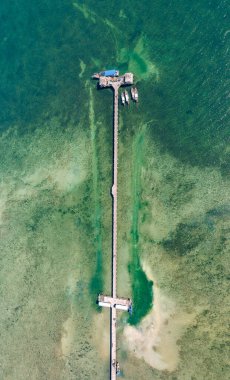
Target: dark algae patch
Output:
[
  {"x": 188, "y": 236},
  {"x": 96, "y": 284},
  {"x": 142, "y": 291},
  {"x": 185, "y": 238},
  {"x": 142, "y": 288}
]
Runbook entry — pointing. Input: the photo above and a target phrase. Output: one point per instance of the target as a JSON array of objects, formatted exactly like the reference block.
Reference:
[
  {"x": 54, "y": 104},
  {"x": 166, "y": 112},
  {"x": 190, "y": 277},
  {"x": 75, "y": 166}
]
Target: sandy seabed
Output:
[{"x": 156, "y": 338}]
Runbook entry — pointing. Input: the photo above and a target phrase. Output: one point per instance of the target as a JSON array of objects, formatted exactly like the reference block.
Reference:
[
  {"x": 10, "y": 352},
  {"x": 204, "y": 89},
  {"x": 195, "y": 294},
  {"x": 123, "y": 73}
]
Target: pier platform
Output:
[
  {"x": 123, "y": 80},
  {"x": 118, "y": 303}
]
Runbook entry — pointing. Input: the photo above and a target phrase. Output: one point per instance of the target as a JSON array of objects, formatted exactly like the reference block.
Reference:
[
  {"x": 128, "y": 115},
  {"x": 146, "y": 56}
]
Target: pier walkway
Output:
[
  {"x": 106, "y": 301},
  {"x": 113, "y": 354}
]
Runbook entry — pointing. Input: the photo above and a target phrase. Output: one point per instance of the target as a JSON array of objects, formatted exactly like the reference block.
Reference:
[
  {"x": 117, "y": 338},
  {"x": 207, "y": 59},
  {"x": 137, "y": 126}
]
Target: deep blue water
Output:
[{"x": 42, "y": 42}]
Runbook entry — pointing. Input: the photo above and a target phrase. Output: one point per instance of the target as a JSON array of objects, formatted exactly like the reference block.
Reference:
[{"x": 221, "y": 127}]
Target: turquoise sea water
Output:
[{"x": 55, "y": 167}]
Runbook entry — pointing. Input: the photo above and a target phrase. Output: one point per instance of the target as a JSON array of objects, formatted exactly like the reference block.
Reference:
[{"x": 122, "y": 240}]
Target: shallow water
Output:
[{"x": 56, "y": 172}]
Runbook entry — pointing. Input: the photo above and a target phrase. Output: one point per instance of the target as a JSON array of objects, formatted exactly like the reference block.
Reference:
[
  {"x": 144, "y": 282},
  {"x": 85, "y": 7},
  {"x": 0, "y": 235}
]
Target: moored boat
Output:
[
  {"x": 132, "y": 93},
  {"x": 126, "y": 96},
  {"x": 135, "y": 94},
  {"x": 96, "y": 76},
  {"x": 123, "y": 98}
]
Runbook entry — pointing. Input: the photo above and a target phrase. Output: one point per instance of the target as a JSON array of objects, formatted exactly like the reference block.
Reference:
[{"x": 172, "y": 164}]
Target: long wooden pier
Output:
[
  {"x": 113, "y": 354},
  {"x": 106, "y": 301}
]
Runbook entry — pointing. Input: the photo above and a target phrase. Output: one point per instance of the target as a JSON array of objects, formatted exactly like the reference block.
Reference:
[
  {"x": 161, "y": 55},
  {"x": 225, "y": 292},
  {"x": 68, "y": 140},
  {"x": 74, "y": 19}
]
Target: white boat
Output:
[
  {"x": 123, "y": 98},
  {"x": 135, "y": 94},
  {"x": 132, "y": 93},
  {"x": 126, "y": 97}
]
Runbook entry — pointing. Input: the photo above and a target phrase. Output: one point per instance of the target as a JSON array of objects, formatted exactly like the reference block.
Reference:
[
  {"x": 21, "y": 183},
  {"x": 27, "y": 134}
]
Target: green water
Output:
[
  {"x": 141, "y": 287},
  {"x": 96, "y": 283},
  {"x": 56, "y": 175}
]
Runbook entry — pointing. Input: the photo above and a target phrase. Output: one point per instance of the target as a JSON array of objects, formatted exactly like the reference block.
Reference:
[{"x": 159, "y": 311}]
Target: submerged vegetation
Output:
[
  {"x": 142, "y": 292},
  {"x": 55, "y": 203},
  {"x": 96, "y": 285}
]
